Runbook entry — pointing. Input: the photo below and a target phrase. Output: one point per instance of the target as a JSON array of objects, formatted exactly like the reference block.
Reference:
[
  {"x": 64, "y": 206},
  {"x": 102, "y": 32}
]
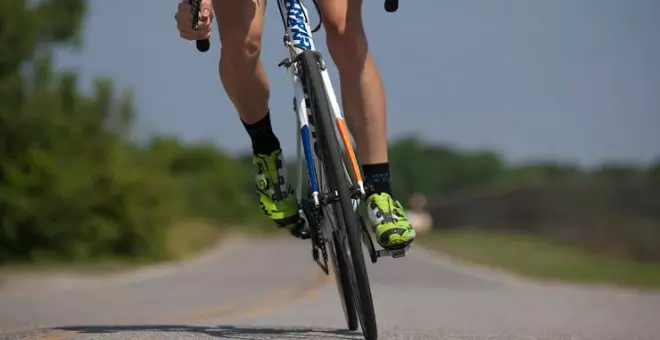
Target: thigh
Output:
[
  {"x": 341, "y": 16},
  {"x": 239, "y": 21}
]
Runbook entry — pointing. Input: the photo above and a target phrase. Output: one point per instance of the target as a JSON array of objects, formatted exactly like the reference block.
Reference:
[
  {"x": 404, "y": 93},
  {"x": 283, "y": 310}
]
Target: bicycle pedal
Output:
[
  {"x": 394, "y": 253},
  {"x": 300, "y": 231}
]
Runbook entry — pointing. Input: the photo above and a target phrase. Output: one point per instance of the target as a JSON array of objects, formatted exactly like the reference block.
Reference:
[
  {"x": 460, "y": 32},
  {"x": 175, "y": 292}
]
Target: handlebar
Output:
[
  {"x": 391, "y": 5},
  {"x": 204, "y": 44}
]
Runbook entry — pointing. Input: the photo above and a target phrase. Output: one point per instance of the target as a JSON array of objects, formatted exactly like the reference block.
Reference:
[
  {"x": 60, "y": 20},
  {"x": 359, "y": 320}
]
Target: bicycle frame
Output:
[{"x": 297, "y": 38}]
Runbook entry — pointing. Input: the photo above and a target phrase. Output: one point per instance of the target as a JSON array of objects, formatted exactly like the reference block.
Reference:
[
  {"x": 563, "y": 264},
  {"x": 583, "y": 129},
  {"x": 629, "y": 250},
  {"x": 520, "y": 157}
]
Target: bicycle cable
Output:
[{"x": 318, "y": 10}]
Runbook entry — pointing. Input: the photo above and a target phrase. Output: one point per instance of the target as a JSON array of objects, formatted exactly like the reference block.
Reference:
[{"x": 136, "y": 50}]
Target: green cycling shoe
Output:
[
  {"x": 387, "y": 217},
  {"x": 276, "y": 197},
  {"x": 278, "y": 201}
]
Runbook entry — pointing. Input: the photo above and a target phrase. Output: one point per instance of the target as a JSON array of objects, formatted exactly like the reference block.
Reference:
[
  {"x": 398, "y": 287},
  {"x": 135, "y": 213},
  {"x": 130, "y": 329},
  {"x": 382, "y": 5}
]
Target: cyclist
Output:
[{"x": 240, "y": 23}]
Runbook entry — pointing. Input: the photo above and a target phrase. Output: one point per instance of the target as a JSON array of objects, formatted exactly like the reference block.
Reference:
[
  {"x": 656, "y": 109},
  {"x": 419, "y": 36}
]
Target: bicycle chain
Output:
[{"x": 319, "y": 243}]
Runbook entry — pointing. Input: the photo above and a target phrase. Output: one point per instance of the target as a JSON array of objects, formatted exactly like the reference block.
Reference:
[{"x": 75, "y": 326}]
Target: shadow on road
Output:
[{"x": 224, "y": 331}]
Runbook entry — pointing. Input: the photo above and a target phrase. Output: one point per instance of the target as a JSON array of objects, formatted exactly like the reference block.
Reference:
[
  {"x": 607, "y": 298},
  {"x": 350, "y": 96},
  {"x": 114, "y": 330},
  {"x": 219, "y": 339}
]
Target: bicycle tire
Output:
[
  {"x": 340, "y": 268},
  {"x": 346, "y": 293},
  {"x": 332, "y": 163}
]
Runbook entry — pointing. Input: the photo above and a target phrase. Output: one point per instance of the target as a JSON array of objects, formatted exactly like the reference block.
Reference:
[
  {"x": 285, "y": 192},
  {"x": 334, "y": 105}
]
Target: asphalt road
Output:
[{"x": 271, "y": 289}]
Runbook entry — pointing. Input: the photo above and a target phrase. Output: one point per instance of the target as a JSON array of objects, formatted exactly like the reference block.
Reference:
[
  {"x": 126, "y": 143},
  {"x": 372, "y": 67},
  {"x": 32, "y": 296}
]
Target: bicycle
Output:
[{"x": 335, "y": 197}]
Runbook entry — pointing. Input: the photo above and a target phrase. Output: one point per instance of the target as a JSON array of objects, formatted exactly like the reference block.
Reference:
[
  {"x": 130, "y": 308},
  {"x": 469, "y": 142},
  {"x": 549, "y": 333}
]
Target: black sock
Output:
[
  {"x": 261, "y": 134},
  {"x": 377, "y": 177}
]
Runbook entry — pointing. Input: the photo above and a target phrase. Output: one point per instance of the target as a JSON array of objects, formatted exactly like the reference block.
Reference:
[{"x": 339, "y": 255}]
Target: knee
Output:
[
  {"x": 347, "y": 42},
  {"x": 240, "y": 47}
]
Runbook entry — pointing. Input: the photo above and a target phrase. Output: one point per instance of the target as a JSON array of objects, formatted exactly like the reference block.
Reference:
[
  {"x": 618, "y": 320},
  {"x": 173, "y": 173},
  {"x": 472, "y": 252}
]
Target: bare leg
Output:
[
  {"x": 361, "y": 85},
  {"x": 364, "y": 104},
  {"x": 240, "y": 23},
  {"x": 242, "y": 73}
]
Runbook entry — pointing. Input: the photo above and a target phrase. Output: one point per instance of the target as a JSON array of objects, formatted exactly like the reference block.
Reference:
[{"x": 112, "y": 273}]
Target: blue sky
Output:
[{"x": 577, "y": 80}]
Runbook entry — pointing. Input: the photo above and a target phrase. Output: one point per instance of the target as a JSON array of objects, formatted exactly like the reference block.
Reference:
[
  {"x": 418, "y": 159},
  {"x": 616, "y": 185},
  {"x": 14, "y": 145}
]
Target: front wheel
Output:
[
  {"x": 346, "y": 293},
  {"x": 348, "y": 232}
]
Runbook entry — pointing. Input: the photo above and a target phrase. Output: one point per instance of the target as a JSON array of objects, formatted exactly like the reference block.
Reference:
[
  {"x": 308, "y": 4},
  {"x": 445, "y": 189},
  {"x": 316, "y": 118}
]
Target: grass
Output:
[
  {"x": 183, "y": 240},
  {"x": 540, "y": 258},
  {"x": 187, "y": 239}
]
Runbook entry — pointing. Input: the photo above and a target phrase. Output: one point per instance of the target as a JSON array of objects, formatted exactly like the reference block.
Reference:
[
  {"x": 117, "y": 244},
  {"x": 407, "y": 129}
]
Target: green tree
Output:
[
  {"x": 437, "y": 170},
  {"x": 72, "y": 185}
]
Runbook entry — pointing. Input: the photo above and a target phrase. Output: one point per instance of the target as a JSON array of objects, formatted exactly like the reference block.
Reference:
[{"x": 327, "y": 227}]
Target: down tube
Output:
[
  {"x": 343, "y": 130},
  {"x": 306, "y": 136}
]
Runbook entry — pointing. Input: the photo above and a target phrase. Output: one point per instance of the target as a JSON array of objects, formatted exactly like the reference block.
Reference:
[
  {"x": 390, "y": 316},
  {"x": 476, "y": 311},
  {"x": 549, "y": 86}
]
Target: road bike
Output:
[{"x": 329, "y": 182}]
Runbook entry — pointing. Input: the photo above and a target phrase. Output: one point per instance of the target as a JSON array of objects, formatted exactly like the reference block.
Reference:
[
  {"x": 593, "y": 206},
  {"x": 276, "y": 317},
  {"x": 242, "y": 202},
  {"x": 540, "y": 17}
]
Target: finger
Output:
[
  {"x": 183, "y": 18},
  {"x": 202, "y": 34},
  {"x": 183, "y": 21},
  {"x": 195, "y": 36},
  {"x": 206, "y": 10},
  {"x": 204, "y": 24},
  {"x": 187, "y": 36},
  {"x": 188, "y": 33},
  {"x": 205, "y": 14}
]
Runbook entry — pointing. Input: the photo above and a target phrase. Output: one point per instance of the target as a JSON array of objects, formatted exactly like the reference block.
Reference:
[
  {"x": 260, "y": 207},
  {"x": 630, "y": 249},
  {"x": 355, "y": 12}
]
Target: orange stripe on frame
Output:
[{"x": 343, "y": 132}]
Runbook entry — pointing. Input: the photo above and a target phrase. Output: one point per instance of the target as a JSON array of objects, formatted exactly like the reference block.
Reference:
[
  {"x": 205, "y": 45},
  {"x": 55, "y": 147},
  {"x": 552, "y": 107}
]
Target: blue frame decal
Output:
[
  {"x": 296, "y": 20},
  {"x": 307, "y": 147},
  {"x": 301, "y": 38}
]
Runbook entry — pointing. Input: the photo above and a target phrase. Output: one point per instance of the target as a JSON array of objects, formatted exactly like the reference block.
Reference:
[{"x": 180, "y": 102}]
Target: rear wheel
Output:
[{"x": 348, "y": 234}]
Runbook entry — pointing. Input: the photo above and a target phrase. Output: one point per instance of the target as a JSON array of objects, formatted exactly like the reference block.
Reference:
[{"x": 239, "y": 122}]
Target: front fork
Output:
[{"x": 311, "y": 205}]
